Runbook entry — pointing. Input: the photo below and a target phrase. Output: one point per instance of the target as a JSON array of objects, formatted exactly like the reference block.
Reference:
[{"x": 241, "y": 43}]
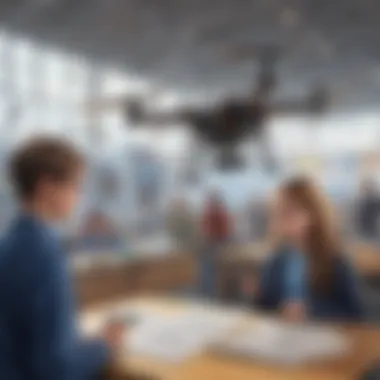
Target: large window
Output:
[
  {"x": 45, "y": 89},
  {"x": 23, "y": 58}
]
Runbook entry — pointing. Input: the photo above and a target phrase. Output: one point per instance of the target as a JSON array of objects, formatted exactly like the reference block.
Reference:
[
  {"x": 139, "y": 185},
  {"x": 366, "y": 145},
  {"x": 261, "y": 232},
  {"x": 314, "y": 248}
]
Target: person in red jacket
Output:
[
  {"x": 216, "y": 221},
  {"x": 216, "y": 231}
]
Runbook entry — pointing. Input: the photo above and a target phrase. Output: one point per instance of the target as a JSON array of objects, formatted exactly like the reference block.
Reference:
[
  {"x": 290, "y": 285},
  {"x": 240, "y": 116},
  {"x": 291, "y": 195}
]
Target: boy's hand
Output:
[
  {"x": 294, "y": 311},
  {"x": 114, "y": 333}
]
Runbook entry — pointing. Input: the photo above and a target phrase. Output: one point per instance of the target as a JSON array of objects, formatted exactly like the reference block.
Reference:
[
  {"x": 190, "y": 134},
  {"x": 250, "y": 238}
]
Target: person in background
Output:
[
  {"x": 216, "y": 230},
  {"x": 182, "y": 226},
  {"x": 368, "y": 211},
  {"x": 307, "y": 276},
  {"x": 99, "y": 232},
  {"x": 258, "y": 218},
  {"x": 38, "y": 332}
]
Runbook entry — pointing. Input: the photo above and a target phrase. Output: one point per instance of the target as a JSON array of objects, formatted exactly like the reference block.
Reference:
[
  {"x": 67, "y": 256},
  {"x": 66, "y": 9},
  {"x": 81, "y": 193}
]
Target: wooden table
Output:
[
  {"x": 145, "y": 274},
  {"x": 209, "y": 366}
]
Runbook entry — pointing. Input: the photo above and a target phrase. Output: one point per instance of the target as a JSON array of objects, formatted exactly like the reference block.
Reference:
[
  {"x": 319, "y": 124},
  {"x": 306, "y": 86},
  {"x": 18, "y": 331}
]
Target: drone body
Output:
[
  {"x": 229, "y": 123},
  {"x": 224, "y": 126}
]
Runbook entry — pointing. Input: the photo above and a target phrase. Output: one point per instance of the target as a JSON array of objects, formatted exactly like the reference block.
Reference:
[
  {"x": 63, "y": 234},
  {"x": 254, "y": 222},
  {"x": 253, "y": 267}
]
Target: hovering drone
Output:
[{"x": 226, "y": 124}]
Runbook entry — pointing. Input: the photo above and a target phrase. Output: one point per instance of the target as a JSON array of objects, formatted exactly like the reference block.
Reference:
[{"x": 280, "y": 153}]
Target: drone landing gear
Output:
[
  {"x": 268, "y": 161},
  {"x": 229, "y": 159}
]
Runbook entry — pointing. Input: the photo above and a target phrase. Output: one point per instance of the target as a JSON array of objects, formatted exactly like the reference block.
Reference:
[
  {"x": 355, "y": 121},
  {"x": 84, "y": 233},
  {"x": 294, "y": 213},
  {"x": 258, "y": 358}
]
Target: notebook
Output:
[
  {"x": 176, "y": 338},
  {"x": 282, "y": 343}
]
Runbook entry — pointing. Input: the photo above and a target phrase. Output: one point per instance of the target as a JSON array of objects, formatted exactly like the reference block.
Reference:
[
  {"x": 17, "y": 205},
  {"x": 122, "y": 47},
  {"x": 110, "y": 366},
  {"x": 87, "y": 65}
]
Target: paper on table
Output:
[
  {"x": 160, "y": 338},
  {"x": 177, "y": 337},
  {"x": 288, "y": 344},
  {"x": 91, "y": 323}
]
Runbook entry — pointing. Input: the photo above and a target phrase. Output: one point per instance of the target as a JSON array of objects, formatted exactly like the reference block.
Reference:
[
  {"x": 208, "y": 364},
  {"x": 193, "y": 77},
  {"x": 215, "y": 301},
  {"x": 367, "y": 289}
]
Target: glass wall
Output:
[{"x": 45, "y": 89}]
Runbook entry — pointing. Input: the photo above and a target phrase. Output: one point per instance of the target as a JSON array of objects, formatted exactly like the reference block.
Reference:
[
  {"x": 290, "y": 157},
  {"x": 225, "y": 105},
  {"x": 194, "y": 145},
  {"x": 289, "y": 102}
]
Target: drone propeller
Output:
[{"x": 266, "y": 57}]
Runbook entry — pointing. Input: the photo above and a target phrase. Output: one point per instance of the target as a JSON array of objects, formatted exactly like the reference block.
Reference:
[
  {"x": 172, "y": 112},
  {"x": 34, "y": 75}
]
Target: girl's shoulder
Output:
[
  {"x": 277, "y": 256},
  {"x": 343, "y": 266}
]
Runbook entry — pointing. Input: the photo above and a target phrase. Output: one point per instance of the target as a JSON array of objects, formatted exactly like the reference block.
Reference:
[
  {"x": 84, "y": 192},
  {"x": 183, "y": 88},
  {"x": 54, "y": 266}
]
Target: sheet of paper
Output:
[
  {"x": 288, "y": 344},
  {"x": 91, "y": 323},
  {"x": 162, "y": 338},
  {"x": 175, "y": 338}
]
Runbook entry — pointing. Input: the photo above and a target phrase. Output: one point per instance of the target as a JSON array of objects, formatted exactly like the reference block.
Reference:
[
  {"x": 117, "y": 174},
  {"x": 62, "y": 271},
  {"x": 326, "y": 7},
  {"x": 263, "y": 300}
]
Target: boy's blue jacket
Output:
[{"x": 38, "y": 336}]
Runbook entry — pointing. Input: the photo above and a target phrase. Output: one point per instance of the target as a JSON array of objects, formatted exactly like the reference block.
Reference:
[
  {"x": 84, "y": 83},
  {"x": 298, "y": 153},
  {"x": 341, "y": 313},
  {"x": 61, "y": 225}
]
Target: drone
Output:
[{"x": 226, "y": 124}]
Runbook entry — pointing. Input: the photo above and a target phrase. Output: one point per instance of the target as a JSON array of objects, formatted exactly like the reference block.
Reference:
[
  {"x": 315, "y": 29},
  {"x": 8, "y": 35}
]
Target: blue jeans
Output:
[{"x": 208, "y": 270}]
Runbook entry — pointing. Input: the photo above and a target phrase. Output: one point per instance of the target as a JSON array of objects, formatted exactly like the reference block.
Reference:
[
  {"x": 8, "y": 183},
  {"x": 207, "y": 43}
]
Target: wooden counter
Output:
[
  {"x": 209, "y": 366},
  {"x": 365, "y": 257},
  {"x": 159, "y": 273},
  {"x": 145, "y": 274},
  {"x": 249, "y": 258}
]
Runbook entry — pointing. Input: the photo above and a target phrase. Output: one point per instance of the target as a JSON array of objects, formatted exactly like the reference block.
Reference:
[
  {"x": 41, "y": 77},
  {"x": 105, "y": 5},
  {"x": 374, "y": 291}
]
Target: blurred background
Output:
[{"x": 176, "y": 103}]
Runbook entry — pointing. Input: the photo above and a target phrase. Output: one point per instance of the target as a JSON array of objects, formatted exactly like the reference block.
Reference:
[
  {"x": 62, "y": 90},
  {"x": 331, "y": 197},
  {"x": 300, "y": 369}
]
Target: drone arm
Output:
[
  {"x": 291, "y": 107},
  {"x": 267, "y": 80},
  {"x": 298, "y": 107},
  {"x": 266, "y": 85},
  {"x": 135, "y": 111},
  {"x": 158, "y": 118},
  {"x": 316, "y": 103}
]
